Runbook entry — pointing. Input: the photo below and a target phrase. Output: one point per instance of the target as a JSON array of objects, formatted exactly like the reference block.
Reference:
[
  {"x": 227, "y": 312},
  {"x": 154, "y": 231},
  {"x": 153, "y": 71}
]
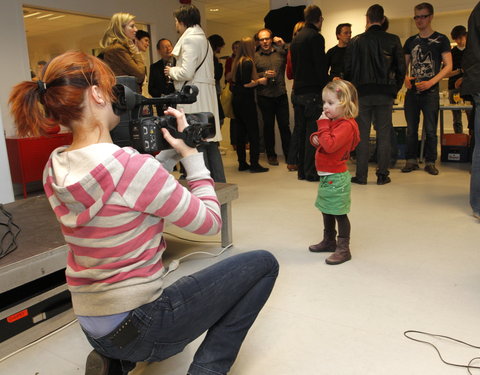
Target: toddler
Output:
[{"x": 337, "y": 135}]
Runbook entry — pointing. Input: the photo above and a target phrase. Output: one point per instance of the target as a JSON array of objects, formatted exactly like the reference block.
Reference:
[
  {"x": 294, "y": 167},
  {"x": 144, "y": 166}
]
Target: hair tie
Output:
[{"x": 42, "y": 86}]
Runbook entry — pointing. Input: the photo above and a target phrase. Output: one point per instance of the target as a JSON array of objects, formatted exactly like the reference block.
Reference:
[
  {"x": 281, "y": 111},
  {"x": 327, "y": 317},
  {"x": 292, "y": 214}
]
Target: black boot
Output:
[{"x": 98, "y": 364}]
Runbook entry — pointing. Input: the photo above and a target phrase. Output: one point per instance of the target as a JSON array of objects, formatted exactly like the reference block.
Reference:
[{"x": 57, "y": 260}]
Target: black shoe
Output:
[
  {"x": 356, "y": 180},
  {"x": 272, "y": 160},
  {"x": 382, "y": 179},
  {"x": 243, "y": 166},
  {"x": 312, "y": 178},
  {"x": 430, "y": 168},
  {"x": 409, "y": 167},
  {"x": 258, "y": 169},
  {"x": 97, "y": 364}
]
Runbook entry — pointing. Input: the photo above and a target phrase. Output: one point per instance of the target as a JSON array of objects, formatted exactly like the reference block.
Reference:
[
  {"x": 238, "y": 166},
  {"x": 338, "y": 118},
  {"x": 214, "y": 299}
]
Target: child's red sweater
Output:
[{"x": 336, "y": 138}]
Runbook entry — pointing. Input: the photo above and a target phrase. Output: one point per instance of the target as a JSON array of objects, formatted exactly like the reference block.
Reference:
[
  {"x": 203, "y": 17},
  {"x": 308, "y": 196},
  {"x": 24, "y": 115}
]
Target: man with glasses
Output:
[
  {"x": 428, "y": 54},
  {"x": 270, "y": 62}
]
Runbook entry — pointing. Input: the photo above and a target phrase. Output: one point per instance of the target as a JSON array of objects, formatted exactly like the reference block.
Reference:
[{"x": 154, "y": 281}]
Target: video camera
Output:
[{"x": 145, "y": 133}]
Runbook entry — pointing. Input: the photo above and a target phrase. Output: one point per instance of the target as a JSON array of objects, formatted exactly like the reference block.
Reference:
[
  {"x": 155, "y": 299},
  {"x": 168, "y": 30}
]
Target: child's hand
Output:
[
  {"x": 323, "y": 116},
  {"x": 314, "y": 140}
]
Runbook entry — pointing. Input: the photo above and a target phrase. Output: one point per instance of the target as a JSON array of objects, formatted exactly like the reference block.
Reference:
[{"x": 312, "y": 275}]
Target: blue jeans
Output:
[
  {"x": 428, "y": 104},
  {"x": 475, "y": 176},
  {"x": 307, "y": 109},
  {"x": 376, "y": 108},
  {"x": 223, "y": 299}
]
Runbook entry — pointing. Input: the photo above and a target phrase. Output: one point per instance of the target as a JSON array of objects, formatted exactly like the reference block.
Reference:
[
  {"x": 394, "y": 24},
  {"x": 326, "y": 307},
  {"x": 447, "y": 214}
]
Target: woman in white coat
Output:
[{"x": 195, "y": 66}]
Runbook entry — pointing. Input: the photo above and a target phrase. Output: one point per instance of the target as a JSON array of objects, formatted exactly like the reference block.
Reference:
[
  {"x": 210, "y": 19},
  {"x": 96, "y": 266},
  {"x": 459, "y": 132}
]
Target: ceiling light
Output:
[
  {"x": 213, "y": 10},
  {"x": 45, "y": 15},
  {"x": 54, "y": 18},
  {"x": 31, "y": 14}
]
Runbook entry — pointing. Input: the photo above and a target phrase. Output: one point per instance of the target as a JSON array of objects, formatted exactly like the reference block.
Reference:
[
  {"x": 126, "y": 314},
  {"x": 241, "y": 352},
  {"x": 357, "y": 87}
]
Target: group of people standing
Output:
[{"x": 190, "y": 61}]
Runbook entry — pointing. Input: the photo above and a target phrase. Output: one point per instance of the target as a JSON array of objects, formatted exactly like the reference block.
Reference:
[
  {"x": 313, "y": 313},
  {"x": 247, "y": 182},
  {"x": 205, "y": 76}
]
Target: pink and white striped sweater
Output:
[{"x": 113, "y": 219}]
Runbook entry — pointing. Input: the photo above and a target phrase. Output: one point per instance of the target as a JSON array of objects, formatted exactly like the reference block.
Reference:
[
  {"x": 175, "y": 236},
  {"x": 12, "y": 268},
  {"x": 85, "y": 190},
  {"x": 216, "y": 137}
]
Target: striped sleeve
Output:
[{"x": 147, "y": 187}]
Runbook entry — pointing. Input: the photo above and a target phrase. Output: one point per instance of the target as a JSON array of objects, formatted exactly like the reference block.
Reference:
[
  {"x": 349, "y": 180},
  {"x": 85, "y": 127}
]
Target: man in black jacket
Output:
[
  {"x": 375, "y": 64},
  {"x": 309, "y": 67},
  {"x": 159, "y": 83}
]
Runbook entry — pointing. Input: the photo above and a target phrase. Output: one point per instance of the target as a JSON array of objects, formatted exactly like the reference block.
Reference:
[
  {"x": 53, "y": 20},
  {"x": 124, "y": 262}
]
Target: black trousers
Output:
[
  {"x": 308, "y": 108},
  {"x": 245, "y": 110},
  {"x": 376, "y": 108},
  {"x": 272, "y": 108}
]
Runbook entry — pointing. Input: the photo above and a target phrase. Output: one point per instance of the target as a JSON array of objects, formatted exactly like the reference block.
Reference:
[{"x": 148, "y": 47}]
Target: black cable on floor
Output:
[
  {"x": 10, "y": 230},
  {"x": 467, "y": 366}
]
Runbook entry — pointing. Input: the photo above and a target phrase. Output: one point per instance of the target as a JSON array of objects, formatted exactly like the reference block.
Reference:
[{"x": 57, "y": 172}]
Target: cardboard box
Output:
[
  {"x": 455, "y": 140},
  {"x": 457, "y": 154}
]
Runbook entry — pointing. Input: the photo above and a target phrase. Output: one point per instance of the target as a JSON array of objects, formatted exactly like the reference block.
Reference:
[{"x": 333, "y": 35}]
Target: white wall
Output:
[{"x": 6, "y": 191}]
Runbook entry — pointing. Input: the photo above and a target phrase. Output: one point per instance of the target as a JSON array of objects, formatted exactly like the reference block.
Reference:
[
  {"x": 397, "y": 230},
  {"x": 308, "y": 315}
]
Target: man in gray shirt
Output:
[{"x": 270, "y": 61}]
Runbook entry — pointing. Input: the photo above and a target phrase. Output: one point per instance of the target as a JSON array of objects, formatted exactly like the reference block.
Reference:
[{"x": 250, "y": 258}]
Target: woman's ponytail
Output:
[
  {"x": 38, "y": 107},
  {"x": 27, "y": 109}
]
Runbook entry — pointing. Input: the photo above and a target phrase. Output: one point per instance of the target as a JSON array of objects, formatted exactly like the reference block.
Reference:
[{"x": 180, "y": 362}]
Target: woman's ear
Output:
[{"x": 97, "y": 95}]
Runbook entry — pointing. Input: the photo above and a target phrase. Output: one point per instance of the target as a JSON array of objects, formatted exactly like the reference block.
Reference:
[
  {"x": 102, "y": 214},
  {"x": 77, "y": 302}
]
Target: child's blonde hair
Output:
[{"x": 347, "y": 96}]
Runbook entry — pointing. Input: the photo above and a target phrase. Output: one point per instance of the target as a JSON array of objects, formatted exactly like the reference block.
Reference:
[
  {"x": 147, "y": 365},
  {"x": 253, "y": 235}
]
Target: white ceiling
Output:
[
  {"x": 35, "y": 25},
  {"x": 244, "y": 14}
]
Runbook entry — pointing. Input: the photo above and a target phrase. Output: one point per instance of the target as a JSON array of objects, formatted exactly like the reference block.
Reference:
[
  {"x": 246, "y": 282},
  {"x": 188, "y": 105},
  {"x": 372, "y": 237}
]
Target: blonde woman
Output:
[
  {"x": 119, "y": 49},
  {"x": 245, "y": 80}
]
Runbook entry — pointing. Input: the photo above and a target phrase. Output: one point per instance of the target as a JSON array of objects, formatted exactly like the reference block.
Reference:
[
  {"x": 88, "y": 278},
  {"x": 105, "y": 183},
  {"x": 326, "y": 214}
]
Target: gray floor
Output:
[{"x": 416, "y": 265}]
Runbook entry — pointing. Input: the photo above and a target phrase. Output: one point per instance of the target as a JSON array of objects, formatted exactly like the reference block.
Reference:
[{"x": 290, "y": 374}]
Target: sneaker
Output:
[
  {"x": 258, "y": 169},
  {"x": 357, "y": 180},
  {"x": 382, "y": 179},
  {"x": 272, "y": 160},
  {"x": 410, "y": 167},
  {"x": 430, "y": 168}
]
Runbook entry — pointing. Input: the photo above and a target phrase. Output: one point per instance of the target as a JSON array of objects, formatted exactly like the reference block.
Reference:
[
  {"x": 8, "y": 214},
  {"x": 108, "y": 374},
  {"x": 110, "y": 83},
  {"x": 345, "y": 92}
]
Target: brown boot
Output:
[
  {"x": 342, "y": 253},
  {"x": 327, "y": 245}
]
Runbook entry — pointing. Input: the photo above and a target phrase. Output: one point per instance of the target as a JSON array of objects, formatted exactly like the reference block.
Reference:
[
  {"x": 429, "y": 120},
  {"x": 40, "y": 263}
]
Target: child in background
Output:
[{"x": 337, "y": 135}]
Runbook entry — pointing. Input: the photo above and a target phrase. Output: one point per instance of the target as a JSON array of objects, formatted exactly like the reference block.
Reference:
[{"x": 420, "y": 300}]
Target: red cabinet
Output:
[{"x": 27, "y": 156}]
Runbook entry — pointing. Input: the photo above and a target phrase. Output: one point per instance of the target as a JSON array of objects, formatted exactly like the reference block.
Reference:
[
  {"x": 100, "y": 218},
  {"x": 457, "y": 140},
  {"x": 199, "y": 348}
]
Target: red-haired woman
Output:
[
  {"x": 245, "y": 79},
  {"x": 112, "y": 203}
]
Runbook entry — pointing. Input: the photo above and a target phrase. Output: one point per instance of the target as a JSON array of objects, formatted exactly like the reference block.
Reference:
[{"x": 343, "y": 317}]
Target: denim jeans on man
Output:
[
  {"x": 428, "y": 104},
  {"x": 376, "y": 108},
  {"x": 223, "y": 299},
  {"x": 475, "y": 176},
  {"x": 307, "y": 108}
]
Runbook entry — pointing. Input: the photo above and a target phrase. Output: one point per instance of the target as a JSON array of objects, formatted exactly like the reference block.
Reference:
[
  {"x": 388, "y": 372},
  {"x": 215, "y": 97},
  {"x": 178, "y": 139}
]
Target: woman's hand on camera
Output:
[{"x": 178, "y": 144}]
